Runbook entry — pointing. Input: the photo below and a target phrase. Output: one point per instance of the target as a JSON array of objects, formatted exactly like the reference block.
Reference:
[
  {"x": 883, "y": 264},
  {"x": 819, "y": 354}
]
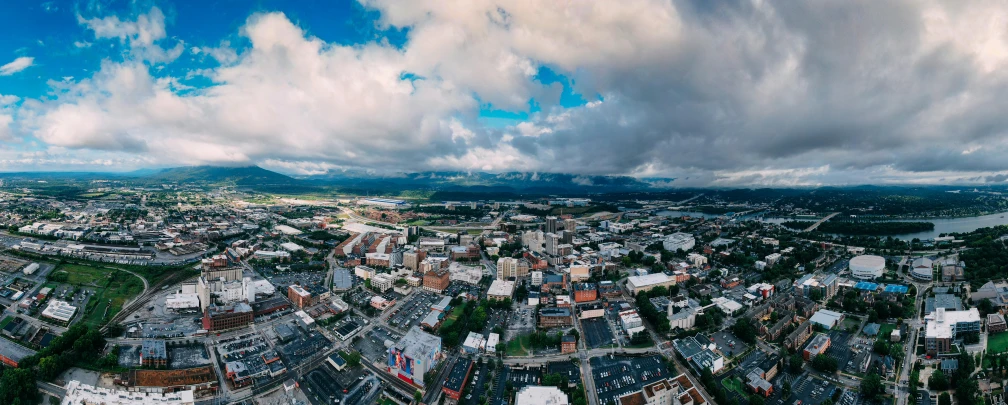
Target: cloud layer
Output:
[{"x": 737, "y": 92}]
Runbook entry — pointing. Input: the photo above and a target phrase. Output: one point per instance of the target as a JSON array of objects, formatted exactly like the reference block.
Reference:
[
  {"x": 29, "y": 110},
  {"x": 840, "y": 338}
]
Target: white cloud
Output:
[
  {"x": 142, "y": 35},
  {"x": 723, "y": 93},
  {"x": 16, "y": 65}
]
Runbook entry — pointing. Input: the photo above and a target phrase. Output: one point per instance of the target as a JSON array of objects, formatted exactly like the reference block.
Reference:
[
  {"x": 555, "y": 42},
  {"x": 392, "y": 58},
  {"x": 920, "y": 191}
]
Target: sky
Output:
[{"x": 707, "y": 93}]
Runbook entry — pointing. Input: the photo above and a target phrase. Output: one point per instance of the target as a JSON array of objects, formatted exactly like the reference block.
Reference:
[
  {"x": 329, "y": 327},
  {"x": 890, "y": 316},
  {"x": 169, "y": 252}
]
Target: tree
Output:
[
  {"x": 871, "y": 387},
  {"x": 938, "y": 381},
  {"x": 881, "y": 347},
  {"x": 824, "y": 363},
  {"x": 786, "y": 389},
  {"x": 944, "y": 399},
  {"x": 795, "y": 363},
  {"x": 968, "y": 392},
  {"x": 417, "y": 396},
  {"x": 756, "y": 399},
  {"x": 744, "y": 330}
]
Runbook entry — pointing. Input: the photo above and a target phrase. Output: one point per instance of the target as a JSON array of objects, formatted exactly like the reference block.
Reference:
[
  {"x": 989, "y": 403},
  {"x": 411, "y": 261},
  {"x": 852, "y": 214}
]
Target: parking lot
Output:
[
  {"x": 812, "y": 390},
  {"x": 729, "y": 344},
  {"x": 597, "y": 333},
  {"x": 372, "y": 345},
  {"x": 477, "y": 383},
  {"x": 413, "y": 310},
  {"x": 619, "y": 375},
  {"x": 522, "y": 320}
]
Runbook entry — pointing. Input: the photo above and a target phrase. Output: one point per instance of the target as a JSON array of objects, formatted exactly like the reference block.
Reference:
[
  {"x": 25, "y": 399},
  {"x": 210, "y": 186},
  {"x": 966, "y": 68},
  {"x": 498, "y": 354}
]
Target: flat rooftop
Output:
[{"x": 457, "y": 377}]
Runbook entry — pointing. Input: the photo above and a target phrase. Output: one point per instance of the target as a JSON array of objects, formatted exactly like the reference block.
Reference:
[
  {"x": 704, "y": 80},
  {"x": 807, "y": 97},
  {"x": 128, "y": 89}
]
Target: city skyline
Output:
[{"x": 707, "y": 94}]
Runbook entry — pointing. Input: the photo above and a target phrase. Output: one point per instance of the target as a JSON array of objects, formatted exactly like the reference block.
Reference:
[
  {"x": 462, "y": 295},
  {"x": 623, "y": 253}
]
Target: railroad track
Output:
[{"x": 144, "y": 298}]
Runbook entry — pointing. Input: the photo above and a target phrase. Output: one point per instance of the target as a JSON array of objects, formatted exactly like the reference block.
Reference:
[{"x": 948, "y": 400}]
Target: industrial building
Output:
[
  {"x": 60, "y": 311},
  {"x": 637, "y": 284}
]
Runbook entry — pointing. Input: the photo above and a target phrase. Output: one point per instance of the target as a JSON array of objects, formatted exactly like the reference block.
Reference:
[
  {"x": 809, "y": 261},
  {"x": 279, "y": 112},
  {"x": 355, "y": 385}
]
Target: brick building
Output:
[
  {"x": 227, "y": 317},
  {"x": 585, "y": 292},
  {"x": 436, "y": 280}
]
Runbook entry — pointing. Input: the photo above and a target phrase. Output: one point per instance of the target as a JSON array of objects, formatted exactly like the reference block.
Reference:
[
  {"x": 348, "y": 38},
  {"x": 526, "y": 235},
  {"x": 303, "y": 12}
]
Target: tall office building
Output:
[{"x": 551, "y": 224}]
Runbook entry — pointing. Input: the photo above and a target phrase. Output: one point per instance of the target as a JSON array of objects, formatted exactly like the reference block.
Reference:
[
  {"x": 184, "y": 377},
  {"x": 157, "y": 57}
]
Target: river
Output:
[{"x": 941, "y": 225}]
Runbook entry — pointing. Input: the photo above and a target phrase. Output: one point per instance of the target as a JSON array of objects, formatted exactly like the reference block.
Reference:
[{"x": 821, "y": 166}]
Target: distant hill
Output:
[
  {"x": 510, "y": 182},
  {"x": 239, "y": 176}
]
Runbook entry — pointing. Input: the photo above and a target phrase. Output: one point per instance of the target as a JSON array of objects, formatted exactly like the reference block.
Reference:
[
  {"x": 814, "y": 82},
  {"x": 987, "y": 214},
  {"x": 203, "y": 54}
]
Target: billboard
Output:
[{"x": 398, "y": 360}]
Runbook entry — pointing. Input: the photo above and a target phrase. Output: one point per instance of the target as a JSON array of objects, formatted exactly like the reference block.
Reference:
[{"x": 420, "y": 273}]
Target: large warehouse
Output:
[
  {"x": 636, "y": 284},
  {"x": 867, "y": 266}
]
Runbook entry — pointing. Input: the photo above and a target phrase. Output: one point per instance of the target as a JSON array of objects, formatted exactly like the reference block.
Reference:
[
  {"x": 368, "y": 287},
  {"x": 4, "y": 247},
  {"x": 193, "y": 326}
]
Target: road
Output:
[{"x": 819, "y": 222}]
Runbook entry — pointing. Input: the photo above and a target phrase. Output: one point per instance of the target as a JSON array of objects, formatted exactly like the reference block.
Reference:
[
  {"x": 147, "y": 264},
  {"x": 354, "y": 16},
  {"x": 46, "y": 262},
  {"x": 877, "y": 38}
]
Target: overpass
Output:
[{"x": 819, "y": 222}]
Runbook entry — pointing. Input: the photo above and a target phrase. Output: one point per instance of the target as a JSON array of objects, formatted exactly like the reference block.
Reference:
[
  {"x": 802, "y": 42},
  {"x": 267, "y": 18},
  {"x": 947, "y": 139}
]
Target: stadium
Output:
[{"x": 867, "y": 266}]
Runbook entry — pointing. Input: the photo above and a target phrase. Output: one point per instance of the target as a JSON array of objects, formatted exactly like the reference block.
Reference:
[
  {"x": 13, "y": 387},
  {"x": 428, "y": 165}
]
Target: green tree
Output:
[
  {"x": 756, "y": 399},
  {"x": 944, "y": 399},
  {"x": 938, "y": 381},
  {"x": 824, "y": 363},
  {"x": 871, "y": 387}
]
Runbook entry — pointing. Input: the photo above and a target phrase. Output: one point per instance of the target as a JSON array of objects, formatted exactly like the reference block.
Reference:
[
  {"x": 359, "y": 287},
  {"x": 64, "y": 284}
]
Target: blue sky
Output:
[{"x": 709, "y": 93}]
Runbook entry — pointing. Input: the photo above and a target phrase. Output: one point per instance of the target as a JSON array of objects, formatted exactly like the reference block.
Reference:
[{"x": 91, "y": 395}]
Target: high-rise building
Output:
[
  {"x": 551, "y": 243},
  {"x": 552, "y": 224},
  {"x": 506, "y": 267}
]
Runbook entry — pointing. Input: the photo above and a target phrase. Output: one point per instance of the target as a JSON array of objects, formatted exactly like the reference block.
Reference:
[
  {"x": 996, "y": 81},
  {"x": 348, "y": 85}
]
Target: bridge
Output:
[{"x": 819, "y": 222}]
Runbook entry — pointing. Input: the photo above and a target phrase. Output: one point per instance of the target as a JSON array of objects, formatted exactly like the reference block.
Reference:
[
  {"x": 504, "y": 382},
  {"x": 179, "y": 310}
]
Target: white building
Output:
[
  {"x": 685, "y": 319},
  {"x": 59, "y": 310},
  {"x": 491, "y": 343},
  {"x": 384, "y": 203},
  {"x": 679, "y": 240},
  {"x": 180, "y": 301},
  {"x": 78, "y": 394},
  {"x": 867, "y": 266},
  {"x": 631, "y": 321},
  {"x": 636, "y": 284},
  {"x": 697, "y": 259},
  {"x": 30, "y": 269},
  {"x": 534, "y": 240},
  {"x": 500, "y": 290},
  {"x": 271, "y": 254},
  {"x": 537, "y": 395},
  {"x": 537, "y": 278},
  {"x": 364, "y": 272},
  {"x": 382, "y": 282},
  {"x": 771, "y": 259}
]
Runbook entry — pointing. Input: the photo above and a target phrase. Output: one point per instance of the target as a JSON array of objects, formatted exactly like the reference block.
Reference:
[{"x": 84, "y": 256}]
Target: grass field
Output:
[
  {"x": 6, "y": 321},
  {"x": 734, "y": 384},
  {"x": 112, "y": 289},
  {"x": 453, "y": 316},
  {"x": 84, "y": 275},
  {"x": 517, "y": 347},
  {"x": 885, "y": 330},
  {"x": 997, "y": 343}
]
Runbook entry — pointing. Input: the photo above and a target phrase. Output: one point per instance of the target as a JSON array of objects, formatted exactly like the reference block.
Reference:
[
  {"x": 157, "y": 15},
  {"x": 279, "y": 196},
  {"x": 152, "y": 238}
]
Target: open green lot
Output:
[
  {"x": 517, "y": 347},
  {"x": 997, "y": 343},
  {"x": 734, "y": 384},
  {"x": 885, "y": 330},
  {"x": 112, "y": 289},
  {"x": 453, "y": 316}
]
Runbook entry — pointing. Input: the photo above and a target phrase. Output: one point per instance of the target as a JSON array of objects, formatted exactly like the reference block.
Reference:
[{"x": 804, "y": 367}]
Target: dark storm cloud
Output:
[{"x": 848, "y": 84}]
